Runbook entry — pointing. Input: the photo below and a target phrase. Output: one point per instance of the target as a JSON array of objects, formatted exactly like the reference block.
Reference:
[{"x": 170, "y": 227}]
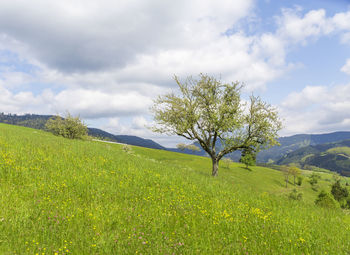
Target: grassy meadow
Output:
[{"x": 61, "y": 196}]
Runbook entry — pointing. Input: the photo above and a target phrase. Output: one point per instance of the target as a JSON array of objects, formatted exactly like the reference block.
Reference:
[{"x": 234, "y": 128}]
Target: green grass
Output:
[
  {"x": 340, "y": 150},
  {"x": 83, "y": 197}
]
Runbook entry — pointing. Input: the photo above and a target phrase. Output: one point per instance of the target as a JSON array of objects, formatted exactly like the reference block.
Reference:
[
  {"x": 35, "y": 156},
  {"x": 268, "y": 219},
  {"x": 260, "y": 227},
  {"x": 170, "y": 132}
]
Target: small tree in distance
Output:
[
  {"x": 181, "y": 146},
  {"x": 286, "y": 173},
  {"x": 207, "y": 110},
  {"x": 339, "y": 192},
  {"x": 295, "y": 171},
  {"x": 248, "y": 158},
  {"x": 69, "y": 127},
  {"x": 227, "y": 162},
  {"x": 191, "y": 147}
]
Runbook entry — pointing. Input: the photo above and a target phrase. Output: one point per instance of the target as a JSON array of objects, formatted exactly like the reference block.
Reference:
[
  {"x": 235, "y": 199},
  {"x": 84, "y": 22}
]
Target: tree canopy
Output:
[
  {"x": 208, "y": 110},
  {"x": 69, "y": 127}
]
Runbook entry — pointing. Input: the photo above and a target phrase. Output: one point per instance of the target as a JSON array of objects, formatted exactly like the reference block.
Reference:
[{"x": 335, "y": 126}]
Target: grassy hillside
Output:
[
  {"x": 331, "y": 156},
  {"x": 60, "y": 196}
]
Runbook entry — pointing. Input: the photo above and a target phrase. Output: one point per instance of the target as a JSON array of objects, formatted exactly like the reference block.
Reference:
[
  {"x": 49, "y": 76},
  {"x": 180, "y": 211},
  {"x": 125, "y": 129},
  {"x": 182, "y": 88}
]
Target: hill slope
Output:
[
  {"x": 83, "y": 197},
  {"x": 332, "y": 156},
  {"x": 39, "y": 121},
  {"x": 292, "y": 143},
  {"x": 288, "y": 144}
]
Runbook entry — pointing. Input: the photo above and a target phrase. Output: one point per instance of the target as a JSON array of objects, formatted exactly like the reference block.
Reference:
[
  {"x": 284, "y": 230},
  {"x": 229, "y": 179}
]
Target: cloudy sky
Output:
[{"x": 107, "y": 60}]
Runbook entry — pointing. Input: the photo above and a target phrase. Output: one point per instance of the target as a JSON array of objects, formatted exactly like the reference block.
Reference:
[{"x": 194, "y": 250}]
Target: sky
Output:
[{"x": 108, "y": 60}]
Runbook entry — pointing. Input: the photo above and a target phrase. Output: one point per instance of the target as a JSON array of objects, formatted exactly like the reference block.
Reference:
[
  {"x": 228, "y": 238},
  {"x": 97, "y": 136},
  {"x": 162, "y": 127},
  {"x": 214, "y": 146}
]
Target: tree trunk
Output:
[{"x": 215, "y": 167}]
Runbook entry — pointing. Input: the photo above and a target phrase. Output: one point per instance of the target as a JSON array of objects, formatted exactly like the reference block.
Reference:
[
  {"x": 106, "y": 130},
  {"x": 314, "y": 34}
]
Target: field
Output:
[{"x": 61, "y": 196}]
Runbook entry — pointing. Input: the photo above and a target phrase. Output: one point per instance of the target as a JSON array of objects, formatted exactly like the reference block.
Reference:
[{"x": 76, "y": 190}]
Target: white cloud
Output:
[
  {"x": 310, "y": 95},
  {"x": 317, "y": 109},
  {"x": 95, "y": 35},
  {"x": 346, "y": 67},
  {"x": 109, "y": 59},
  {"x": 297, "y": 28},
  {"x": 94, "y": 104}
]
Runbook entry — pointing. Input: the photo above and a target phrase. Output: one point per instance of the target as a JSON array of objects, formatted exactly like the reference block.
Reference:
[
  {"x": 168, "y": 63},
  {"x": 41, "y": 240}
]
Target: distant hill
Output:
[
  {"x": 288, "y": 144},
  {"x": 39, "y": 121},
  {"x": 295, "y": 142},
  {"x": 333, "y": 156}
]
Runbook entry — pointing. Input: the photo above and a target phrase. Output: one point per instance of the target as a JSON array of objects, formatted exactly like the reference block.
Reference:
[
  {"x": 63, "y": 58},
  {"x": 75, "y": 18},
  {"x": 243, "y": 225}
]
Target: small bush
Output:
[
  {"x": 300, "y": 180},
  {"x": 295, "y": 195},
  {"x": 313, "y": 179},
  {"x": 325, "y": 199},
  {"x": 127, "y": 148},
  {"x": 248, "y": 158},
  {"x": 339, "y": 193},
  {"x": 69, "y": 127},
  {"x": 191, "y": 147},
  {"x": 226, "y": 162}
]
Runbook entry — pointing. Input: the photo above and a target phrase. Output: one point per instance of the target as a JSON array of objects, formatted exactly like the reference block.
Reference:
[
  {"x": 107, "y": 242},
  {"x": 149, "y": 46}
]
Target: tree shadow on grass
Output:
[{"x": 247, "y": 169}]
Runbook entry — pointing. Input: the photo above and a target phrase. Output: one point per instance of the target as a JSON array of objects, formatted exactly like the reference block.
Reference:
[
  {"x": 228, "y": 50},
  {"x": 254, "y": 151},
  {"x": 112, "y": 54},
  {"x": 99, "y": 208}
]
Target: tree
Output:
[
  {"x": 69, "y": 127},
  {"x": 248, "y": 158},
  {"x": 227, "y": 162},
  {"x": 324, "y": 199},
  {"x": 295, "y": 171},
  {"x": 339, "y": 193},
  {"x": 191, "y": 147},
  {"x": 208, "y": 110},
  {"x": 286, "y": 173},
  {"x": 181, "y": 146},
  {"x": 313, "y": 178},
  {"x": 300, "y": 180}
]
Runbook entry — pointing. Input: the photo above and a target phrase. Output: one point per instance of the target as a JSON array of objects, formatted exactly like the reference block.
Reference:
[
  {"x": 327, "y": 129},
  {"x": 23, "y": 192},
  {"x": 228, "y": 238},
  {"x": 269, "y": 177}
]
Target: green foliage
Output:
[
  {"x": 324, "y": 199},
  {"x": 340, "y": 150},
  {"x": 127, "y": 148},
  {"x": 208, "y": 110},
  {"x": 295, "y": 195},
  {"x": 227, "y": 162},
  {"x": 93, "y": 198},
  {"x": 191, "y": 147},
  {"x": 68, "y": 127},
  {"x": 313, "y": 179},
  {"x": 248, "y": 158},
  {"x": 322, "y": 157},
  {"x": 181, "y": 146},
  {"x": 295, "y": 172},
  {"x": 339, "y": 193},
  {"x": 286, "y": 173},
  {"x": 300, "y": 180},
  {"x": 348, "y": 203}
]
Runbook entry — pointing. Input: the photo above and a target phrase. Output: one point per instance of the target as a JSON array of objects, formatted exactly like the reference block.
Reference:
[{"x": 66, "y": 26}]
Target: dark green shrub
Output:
[
  {"x": 300, "y": 180},
  {"x": 69, "y": 127},
  {"x": 339, "y": 193},
  {"x": 313, "y": 178},
  {"x": 324, "y": 199},
  {"x": 295, "y": 195},
  {"x": 348, "y": 203},
  {"x": 248, "y": 157}
]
